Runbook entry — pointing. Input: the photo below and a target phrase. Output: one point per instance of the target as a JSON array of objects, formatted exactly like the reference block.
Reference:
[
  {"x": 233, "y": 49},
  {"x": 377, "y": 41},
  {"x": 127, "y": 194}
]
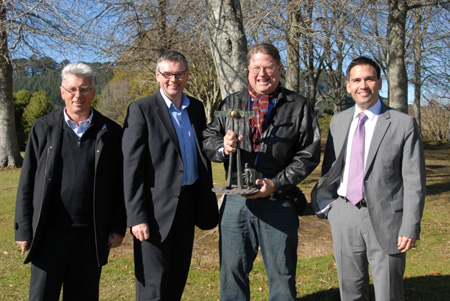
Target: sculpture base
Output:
[{"x": 234, "y": 189}]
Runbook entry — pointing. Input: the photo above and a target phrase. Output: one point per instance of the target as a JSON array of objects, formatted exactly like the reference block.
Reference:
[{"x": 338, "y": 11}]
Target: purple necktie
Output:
[{"x": 355, "y": 180}]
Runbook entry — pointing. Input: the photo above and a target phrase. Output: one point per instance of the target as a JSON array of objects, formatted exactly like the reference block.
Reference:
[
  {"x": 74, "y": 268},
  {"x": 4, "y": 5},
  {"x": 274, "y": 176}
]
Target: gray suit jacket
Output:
[{"x": 394, "y": 180}]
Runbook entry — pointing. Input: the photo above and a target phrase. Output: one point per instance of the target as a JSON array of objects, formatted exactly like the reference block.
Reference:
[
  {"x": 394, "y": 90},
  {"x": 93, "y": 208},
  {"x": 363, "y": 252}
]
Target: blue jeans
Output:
[{"x": 246, "y": 225}]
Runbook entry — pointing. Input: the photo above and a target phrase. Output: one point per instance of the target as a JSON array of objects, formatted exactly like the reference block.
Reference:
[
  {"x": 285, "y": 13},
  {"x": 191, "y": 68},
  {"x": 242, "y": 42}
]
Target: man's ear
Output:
[{"x": 347, "y": 86}]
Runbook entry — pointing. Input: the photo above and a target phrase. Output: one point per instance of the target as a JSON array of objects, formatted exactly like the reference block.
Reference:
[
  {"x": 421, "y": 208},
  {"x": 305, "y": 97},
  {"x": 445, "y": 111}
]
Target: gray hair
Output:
[
  {"x": 79, "y": 70},
  {"x": 172, "y": 56}
]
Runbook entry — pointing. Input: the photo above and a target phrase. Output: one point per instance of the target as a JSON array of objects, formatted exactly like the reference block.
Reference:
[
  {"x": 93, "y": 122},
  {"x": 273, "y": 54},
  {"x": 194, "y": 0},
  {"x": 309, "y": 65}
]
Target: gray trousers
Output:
[{"x": 355, "y": 248}]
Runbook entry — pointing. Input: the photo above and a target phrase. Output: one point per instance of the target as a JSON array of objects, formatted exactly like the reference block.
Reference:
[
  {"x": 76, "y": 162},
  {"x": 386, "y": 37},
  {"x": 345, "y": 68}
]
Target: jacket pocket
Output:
[{"x": 397, "y": 205}]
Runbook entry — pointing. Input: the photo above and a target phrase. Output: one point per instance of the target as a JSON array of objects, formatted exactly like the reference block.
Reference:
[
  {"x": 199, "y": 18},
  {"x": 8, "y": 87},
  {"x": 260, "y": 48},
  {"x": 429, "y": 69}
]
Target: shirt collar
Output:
[
  {"x": 272, "y": 101},
  {"x": 184, "y": 102},
  {"x": 85, "y": 122},
  {"x": 370, "y": 112}
]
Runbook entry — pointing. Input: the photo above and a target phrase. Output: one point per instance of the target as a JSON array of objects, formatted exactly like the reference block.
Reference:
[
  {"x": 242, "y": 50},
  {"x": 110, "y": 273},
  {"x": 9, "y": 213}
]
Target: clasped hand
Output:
[{"x": 230, "y": 144}]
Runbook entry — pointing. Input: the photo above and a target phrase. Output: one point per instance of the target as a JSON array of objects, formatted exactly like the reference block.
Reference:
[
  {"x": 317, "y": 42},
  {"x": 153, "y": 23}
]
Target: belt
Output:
[
  {"x": 359, "y": 205},
  {"x": 185, "y": 188}
]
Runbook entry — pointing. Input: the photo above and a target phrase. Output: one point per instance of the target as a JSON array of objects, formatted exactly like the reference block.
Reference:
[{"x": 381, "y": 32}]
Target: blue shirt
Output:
[{"x": 186, "y": 139}]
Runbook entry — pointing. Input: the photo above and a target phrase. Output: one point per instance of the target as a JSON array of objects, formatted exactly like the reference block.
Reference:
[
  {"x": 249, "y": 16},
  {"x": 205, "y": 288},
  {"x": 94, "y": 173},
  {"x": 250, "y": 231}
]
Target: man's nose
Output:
[{"x": 363, "y": 84}]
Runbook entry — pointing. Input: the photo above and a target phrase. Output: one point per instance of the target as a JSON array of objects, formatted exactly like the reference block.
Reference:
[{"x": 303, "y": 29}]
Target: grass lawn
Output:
[{"x": 427, "y": 275}]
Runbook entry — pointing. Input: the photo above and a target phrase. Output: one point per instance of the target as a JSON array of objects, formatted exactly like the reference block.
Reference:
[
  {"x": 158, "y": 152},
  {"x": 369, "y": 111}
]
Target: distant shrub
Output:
[
  {"x": 38, "y": 106},
  {"x": 435, "y": 121},
  {"x": 21, "y": 100},
  {"x": 324, "y": 122}
]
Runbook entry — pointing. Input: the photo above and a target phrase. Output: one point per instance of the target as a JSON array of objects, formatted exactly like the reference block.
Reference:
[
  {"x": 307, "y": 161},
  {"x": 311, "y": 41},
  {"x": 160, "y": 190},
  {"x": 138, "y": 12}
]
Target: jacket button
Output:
[{"x": 181, "y": 171}]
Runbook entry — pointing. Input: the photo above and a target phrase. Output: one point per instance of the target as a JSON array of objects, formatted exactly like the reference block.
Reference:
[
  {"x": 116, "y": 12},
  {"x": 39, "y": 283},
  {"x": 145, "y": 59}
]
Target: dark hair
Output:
[
  {"x": 172, "y": 56},
  {"x": 265, "y": 48},
  {"x": 362, "y": 60}
]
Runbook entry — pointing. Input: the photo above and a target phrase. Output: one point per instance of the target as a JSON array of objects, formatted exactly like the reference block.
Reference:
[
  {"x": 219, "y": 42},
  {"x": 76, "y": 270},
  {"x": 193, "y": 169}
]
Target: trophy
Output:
[{"x": 249, "y": 175}]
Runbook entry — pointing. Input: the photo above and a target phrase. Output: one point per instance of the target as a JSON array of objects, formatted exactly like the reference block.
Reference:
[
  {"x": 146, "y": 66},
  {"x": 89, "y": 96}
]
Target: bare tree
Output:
[
  {"x": 420, "y": 23},
  {"x": 398, "y": 78},
  {"x": 132, "y": 32},
  {"x": 341, "y": 26},
  {"x": 228, "y": 44},
  {"x": 203, "y": 83},
  {"x": 9, "y": 147},
  {"x": 428, "y": 54},
  {"x": 311, "y": 57},
  {"x": 435, "y": 119},
  {"x": 313, "y": 36},
  {"x": 153, "y": 27},
  {"x": 316, "y": 38},
  {"x": 29, "y": 26},
  {"x": 398, "y": 10},
  {"x": 293, "y": 48}
]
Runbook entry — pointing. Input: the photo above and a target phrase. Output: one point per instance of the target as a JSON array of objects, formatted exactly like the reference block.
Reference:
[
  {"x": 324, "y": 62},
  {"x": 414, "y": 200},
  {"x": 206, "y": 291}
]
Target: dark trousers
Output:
[
  {"x": 65, "y": 258},
  {"x": 161, "y": 269}
]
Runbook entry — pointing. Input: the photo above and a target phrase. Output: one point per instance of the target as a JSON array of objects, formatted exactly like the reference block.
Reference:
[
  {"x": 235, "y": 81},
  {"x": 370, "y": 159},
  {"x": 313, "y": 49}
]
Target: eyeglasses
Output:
[
  {"x": 73, "y": 91},
  {"x": 168, "y": 75},
  {"x": 255, "y": 70}
]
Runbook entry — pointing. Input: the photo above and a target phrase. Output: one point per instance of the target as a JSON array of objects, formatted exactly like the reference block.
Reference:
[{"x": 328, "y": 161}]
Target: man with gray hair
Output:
[{"x": 69, "y": 208}]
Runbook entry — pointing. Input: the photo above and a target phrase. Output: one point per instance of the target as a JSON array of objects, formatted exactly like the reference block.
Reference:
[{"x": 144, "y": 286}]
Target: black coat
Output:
[
  {"x": 153, "y": 167},
  {"x": 290, "y": 142},
  {"x": 35, "y": 185}
]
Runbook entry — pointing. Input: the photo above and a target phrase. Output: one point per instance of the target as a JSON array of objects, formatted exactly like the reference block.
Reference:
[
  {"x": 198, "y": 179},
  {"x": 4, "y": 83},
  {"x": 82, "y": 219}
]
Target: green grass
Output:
[{"x": 427, "y": 275}]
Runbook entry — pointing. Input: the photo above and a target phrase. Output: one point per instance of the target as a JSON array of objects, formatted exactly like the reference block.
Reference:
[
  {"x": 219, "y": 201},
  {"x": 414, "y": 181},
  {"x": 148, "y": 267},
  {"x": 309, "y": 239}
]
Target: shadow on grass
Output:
[
  {"x": 438, "y": 188},
  {"x": 430, "y": 288}
]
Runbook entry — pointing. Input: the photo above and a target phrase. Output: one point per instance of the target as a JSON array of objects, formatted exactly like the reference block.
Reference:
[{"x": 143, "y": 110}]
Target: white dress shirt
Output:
[{"x": 372, "y": 117}]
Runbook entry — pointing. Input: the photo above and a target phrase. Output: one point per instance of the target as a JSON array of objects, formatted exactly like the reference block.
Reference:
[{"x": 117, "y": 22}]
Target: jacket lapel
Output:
[
  {"x": 166, "y": 120},
  {"x": 340, "y": 134},
  {"x": 383, "y": 123},
  {"x": 197, "y": 131}
]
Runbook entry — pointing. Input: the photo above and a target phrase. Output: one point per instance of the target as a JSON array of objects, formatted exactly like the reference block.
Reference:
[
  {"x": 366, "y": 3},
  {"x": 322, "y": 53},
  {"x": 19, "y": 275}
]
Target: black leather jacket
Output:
[{"x": 290, "y": 146}]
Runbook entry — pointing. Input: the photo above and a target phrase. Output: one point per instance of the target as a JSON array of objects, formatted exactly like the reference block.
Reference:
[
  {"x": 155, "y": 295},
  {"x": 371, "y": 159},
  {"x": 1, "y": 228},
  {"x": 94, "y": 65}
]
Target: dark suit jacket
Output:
[
  {"x": 394, "y": 181},
  {"x": 153, "y": 167},
  {"x": 40, "y": 167}
]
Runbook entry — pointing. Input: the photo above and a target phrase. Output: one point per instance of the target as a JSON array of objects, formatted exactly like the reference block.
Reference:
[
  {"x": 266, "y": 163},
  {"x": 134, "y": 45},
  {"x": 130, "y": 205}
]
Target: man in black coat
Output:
[
  {"x": 167, "y": 181},
  {"x": 69, "y": 209}
]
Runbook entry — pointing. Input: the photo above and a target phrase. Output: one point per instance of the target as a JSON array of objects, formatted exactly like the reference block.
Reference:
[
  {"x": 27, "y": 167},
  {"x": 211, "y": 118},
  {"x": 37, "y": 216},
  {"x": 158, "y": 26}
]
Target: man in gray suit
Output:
[{"x": 374, "y": 209}]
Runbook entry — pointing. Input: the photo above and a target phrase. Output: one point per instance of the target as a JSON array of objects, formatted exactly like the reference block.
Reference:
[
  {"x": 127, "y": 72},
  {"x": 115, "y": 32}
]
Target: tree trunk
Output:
[
  {"x": 9, "y": 148},
  {"x": 228, "y": 44},
  {"x": 448, "y": 134},
  {"x": 417, "y": 68},
  {"x": 211, "y": 106},
  {"x": 398, "y": 79},
  {"x": 312, "y": 71},
  {"x": 163, "y": 38},
  {"x": 293, "y": 48}
]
